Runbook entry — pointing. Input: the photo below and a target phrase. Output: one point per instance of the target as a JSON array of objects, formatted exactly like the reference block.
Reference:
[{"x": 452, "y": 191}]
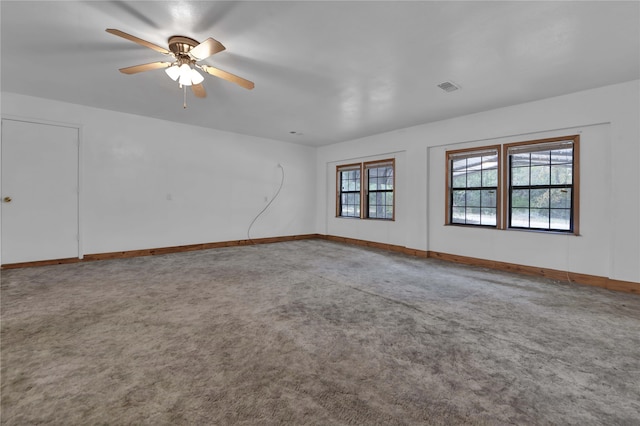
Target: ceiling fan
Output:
[{"x": 185, "y": 53}]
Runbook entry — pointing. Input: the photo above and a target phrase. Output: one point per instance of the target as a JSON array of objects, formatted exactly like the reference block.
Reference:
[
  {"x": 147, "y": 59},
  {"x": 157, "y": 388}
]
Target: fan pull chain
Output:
[{"x": 184, "y": 105}]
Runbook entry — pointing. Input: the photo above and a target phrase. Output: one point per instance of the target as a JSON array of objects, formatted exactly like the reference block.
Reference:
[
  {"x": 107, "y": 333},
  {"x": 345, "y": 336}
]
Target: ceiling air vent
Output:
[{"x": 448, "y": 86}]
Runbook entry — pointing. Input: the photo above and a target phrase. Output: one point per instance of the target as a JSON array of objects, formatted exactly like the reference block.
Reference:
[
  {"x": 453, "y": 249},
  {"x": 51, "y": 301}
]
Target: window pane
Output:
[
  {"x": 489, "y": 161},
  {"x": 373, "y": 172},
  {"x": 560, "y": 198},
  {"x": 389, "y": 212},
  {"x": 473, "y": 198},
  {"x": 562, "y": 156},
  {"x": 459, "y": 198},
  {"x": 373, "y": 184},
  {"x": 539, "y": 218},
  {"x": 474, "y": 163},
  {"x": 520, "y": 198},
  {"x": 561, "y": 174},
  {"x": 457, "y": 215},
  {"x": 520, "y": 176},
  {"x": 488, "y": 217},
  {"x": 560, "y": 219},
  {"x": 389, "y": 198},
  {"x": 540, "y": 175},
  {"x": 350, "y": 211},
  {"x": 459, "y": 180},
  {"x": 459, "y": 165},
  {"x": 473, "y": 215},
  {"x": 518, "y": 160},
  {"x": 520, "y": 218},
  {"x": 473, "y": 179},
  {"x": 488, "y": 198},
  {"x": 387, "y": 182},
  {"x": 539, "y": 198},
  {"x": 490, "y": 177},
  {"x": 541, "y": 158}
]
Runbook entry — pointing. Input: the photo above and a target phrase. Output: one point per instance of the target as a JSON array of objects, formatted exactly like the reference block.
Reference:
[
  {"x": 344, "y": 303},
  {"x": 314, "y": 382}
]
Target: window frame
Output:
[
  {"x": 574, "y": 210},
  {"x": 470, "y": 153},
  {"x": 364, "y": 168},
  {"x": 339, "y": 191},
  {"x": 503, "y": 208}
]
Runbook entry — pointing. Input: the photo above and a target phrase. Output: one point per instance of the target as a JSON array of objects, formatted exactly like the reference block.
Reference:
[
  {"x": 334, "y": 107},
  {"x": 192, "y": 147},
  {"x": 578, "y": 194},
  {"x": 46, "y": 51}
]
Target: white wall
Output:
[
  {"x": 150, "y": 183},
  {"x": 217, "y": 182},
  {"x": 608, "y": 121}
]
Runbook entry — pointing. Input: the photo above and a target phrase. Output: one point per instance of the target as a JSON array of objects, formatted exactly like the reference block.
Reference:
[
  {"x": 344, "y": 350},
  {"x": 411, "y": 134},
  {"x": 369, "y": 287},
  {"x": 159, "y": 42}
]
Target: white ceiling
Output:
[{"x": 330, "y": 71}]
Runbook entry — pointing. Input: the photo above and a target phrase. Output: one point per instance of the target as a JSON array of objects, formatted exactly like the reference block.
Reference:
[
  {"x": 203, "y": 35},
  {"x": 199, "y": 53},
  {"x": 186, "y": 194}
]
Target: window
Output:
[
  {"x": 349, "y": 190},
  {"x": 472, "y": 182},
  {"x": 541, "y": 185},
  {"x": 541, "y": 180},
  {"x": 379, "y": 177},
  {"x": 376, "y": 178}
]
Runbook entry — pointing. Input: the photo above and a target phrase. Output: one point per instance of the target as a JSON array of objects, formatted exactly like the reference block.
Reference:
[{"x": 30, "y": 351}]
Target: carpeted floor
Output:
[{"x": 312, "y": 332}]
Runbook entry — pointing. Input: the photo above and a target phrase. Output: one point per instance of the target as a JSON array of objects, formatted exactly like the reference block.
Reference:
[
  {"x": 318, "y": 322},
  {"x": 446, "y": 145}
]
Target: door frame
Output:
[{"x": 76, "y": 126}]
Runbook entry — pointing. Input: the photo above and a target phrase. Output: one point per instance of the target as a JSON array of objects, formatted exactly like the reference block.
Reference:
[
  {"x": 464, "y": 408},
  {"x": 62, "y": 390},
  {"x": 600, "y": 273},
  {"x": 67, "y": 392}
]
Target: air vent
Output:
[{"x": 448, "y": 86}]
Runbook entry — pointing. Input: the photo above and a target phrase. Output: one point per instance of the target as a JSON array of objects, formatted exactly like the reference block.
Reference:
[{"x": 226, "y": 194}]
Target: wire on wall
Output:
[{"x": 267, "y": 206}]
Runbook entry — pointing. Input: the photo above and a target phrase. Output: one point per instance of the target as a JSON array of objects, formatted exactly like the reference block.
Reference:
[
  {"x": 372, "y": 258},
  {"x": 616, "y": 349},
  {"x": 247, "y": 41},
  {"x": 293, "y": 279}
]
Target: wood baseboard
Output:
[
  {"x": 554, "y": 274},
  {"x": 158, "y": 251},
  {"x": 194, "y": 247},
  {"x": 383, "y": 246},
  {"x": 41, "y": 263}
]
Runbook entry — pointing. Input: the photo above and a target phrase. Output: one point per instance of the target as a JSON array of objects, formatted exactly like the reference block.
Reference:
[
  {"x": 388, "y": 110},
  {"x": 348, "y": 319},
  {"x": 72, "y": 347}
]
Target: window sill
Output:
[
  {"x": 366, "y": 218},
  {"x": 542, "y": 231}
]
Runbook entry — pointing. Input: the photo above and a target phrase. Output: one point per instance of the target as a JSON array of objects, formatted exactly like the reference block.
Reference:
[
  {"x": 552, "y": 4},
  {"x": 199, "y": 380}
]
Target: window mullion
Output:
[{"x": 364, "y": 212}]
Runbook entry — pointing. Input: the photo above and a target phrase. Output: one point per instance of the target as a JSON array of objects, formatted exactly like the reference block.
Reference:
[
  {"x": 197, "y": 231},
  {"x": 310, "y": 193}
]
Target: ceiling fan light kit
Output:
[
  {"x": 184, "y": 74},
  {"x": 186, "y": 52},
  {"x": 173, "y": 72}
]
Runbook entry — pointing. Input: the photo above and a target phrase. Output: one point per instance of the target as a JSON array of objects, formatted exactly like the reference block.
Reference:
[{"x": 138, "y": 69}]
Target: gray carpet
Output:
[{"x": 312, "y": 332}]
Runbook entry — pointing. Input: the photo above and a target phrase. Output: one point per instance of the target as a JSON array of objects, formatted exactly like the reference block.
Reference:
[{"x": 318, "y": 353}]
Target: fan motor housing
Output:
[{"x": 181, "y": 45}]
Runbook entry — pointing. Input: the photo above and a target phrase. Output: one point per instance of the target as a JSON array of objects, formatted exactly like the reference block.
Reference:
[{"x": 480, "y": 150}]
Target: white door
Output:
[{"x": 39, "y": 192}]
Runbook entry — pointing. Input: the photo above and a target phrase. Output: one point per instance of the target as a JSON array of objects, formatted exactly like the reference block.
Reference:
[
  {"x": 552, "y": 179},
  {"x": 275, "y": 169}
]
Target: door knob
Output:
[{"x": 7, "y": 199}]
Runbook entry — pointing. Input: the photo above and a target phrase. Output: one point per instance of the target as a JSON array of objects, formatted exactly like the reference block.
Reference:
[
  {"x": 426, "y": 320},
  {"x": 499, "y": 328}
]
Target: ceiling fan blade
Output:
[
  {"x": 145, "y": 67},
  {"x": 139, "y": 41},
  {"x": 206, "y": 48},
  {"x": 228, "y": 76},
  {"x": 198, "y": 90}
]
